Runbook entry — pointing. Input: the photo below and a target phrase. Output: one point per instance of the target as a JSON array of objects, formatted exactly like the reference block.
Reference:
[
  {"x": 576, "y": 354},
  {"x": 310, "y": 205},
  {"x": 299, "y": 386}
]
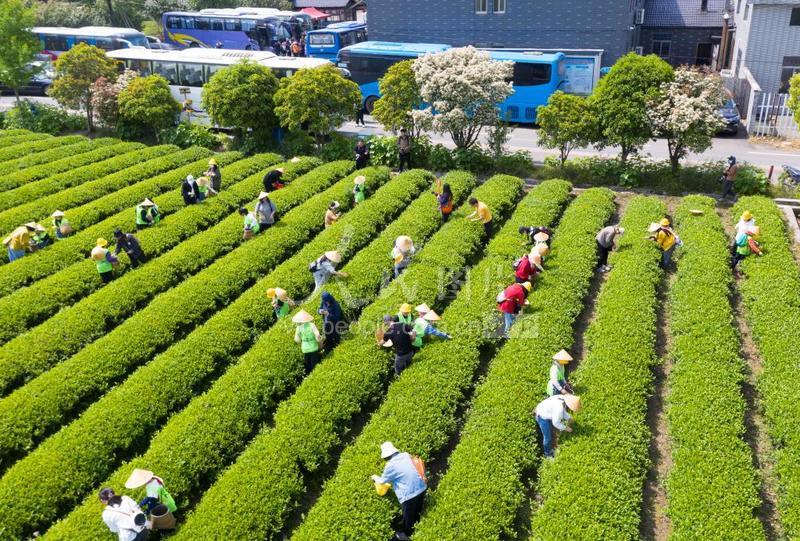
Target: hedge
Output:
[
  {"x": 481, "y": 491},
  {"x": 712, "y": 488},
  {"x": 52, "y": 398},
  {"x": 120, "y": 156},
  {"x": 12, "y": 144},
  {"x": 136, "y": 165},
  {"x": 96, "y": 315},
  {"x": 309, "y": 426},
  {"x": 72, "y": 145},
  {"x": 239, "y": 400},
  {"x": 419, "y": 411},
  {"x": 771, "y": 295},
  {"x": 15, "y": 131},
  {"x": 593, "y": 488},
  {"x": 232, "y": 329},
  {"x": 91, "y": 225},
  {"x": 59, "y": 160}
]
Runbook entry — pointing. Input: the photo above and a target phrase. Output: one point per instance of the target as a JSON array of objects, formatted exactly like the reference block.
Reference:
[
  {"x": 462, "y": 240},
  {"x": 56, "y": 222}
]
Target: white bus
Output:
[
  {"x": 187, "y": 70},
  {"x": 57, "y": 39}
]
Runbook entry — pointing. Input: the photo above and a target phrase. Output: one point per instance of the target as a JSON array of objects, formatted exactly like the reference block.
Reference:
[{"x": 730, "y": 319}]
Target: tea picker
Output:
[
  {"x": 158, "y": 503},
  {"x": 405, "y": 474}
]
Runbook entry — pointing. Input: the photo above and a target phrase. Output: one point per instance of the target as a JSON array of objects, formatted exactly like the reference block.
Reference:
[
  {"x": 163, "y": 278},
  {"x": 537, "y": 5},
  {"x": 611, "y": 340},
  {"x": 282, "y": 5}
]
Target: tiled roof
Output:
[
  {"x": 683, "y": 13},
  {"x": 320, "y": 3}
]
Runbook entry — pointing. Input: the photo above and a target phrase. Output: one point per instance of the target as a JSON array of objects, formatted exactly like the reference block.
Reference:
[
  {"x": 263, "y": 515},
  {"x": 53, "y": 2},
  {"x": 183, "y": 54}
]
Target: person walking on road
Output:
[
  {"x": 266, "y": 211},
  {"x": 404, "y": 149},
  {"x": 510, "y": 303},
  {"x": 400, "y": 336},
  {"x": 746, "y": 244},
  {"x": 147, "y": 214},
  {"x": 123, "y": 517},
  {"x": 272, "y": 180},
  {"x": 307, "y": 335},
  {"x": 251, "y": 227},
  {"x": 362, "y": 154},
  {"x": 729, "y": 178},
  {"x": 605, "y": 243},
  {"x": 481, "y": 214},
  {"x": 552, "y": 413},
  {"x": 665, "y": 238},
  {"x": 557, "y": 383},
  {"x": 61, "y": 226},
  {"x": 19, "y": 241},
  {"x": 445, "y": 201},
  {"x": 324, "y": 267},
  {"x": 359, "y": 189},
  {"x": 130, "y": 245},
  {"x": 402, "y": 252},
  {"x": 281, "y": 303},
  {"x": 332, "y": 214},
  {"x": 332, "y": 316},
  {"x": 189, "y": 190},
  {"x": 360, "y": 116},
  {"x": 405, "y": 474},
  {"x": 423, "y": 326},
  {"x": 104, "y": 260},
  {"x": 214, "y": 174}
]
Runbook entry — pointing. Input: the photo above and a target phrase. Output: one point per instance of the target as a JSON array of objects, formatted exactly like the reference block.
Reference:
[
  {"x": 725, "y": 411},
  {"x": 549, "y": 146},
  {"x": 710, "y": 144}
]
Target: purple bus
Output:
[{"x": 252, "y": 29}]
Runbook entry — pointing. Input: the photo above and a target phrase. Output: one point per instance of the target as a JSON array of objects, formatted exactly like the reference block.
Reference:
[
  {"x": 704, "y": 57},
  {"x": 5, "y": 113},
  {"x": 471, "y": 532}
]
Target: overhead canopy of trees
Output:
[
  {"x": 399, "y": 96},
  {"x": 461, "y": 87},
  {"x": 620, "y": 98},
  {"x": 148, "y": 102},
  {"x": 316, "y": 100},
  {"x": 565, "y": 123},
  {"x": 76, "y": 72},
  {"x": 241, "y": 97},
  {"x": 19, "y": 45}
]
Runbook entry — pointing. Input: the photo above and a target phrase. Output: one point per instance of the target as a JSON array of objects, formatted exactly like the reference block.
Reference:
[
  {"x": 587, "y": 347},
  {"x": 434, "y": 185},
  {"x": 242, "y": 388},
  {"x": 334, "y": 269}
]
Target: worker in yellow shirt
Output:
[
  {"x": 665, "y": 238},
  {"x": 19, "y": 241},
  {"x": 481, "y": 214}
]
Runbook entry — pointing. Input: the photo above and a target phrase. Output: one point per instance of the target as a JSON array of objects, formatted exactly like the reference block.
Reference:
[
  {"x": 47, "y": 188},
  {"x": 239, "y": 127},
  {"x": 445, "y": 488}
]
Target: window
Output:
[
  {"x": 168, "y": 70},
  {"x": 189, "y": 23},
  {"x": 216, "y": 24},
  {"x": 747, "y": 12},
  {"x": 529, "y": 74},
  {"x": 480, "y": 6},
  {"x": 248, "y": 25},
  {"x": 499, "y": 6},
  {"x": 321, "y": 40},
  {"x": 704, "y": 53},
  {"x": 794, "y": 20},
  {"x": 703, "y": 5},
  {"x": 233, "y": 25},
  {"x": 56, "y": 43},
  {"x": 367, "y": 69},
  {"x": 202, "y": 23},
  {"x": 177, "y": 22},
  {"x": 142, "y": 67},
  {"x": 107, "y": 44},
  {"x": 361, "y": 35},
  {"x": 662, "y": 44},
  {"x": 791, "y": 66},
  {"x": 191, "y": 74},
  {"x": 211, "y": 69}
]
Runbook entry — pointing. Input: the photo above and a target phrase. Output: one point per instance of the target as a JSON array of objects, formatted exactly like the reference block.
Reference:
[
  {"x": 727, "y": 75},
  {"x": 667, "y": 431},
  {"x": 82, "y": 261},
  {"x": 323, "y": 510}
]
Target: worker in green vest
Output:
[
  {"x": 557, "y": 383},
  {"x": 251, "y": 226},
  {"x": 404, "y": 314},
  {"x": 359, "y": 190},
  {"x": 281, "y": 302},
  {"x": 309, "y": 338},
  {"x": 423, "y": 326},
  {"x": 61, "y": 226},
  {"x": 104, "y": 260},
  {"x": 146, "y": 214}
]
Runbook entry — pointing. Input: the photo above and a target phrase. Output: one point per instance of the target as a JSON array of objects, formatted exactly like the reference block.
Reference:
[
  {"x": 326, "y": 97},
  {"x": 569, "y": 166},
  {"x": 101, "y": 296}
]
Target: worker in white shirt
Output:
[
  {"x": 402, "y": 252},
  {"x": 552, "y": 413},
  {"x": 123, "y": 517}
]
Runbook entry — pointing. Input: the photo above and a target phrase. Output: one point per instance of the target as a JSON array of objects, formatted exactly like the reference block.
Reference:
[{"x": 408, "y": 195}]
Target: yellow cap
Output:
[
  {"x": 212, "y": 161},
  {"x": 271, "y": 293},
  {"x": 527, "y": 285},
  {"x": 102, "y": 243},
  {"x": 747, "y": 216},
  {"x": 405, "y": 308},
  {"x": 664, "y": 222}
]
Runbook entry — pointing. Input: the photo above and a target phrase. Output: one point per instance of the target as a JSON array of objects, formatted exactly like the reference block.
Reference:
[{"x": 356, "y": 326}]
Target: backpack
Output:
[
  {"x": 419, "y": 465},
  {"x": 313, "y": 266},
  {"x": 516, "y": 263},
  {"x": 501, "y": 297}
]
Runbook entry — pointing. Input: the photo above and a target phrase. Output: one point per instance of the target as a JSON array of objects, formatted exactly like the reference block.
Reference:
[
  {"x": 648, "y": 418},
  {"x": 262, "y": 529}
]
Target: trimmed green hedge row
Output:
[
  {"x": 11, "y": 145},
  {"x": 136, "y": 165},
  {"x": 39, "y": 165},
  {"x": 240, "y": 399},
  {"x": 593, "y": 488},
  {"x": 16, "y": 131},
  {"x": 117, "y": 157},
  {"x": 183, "y": 366},
  {"x": 309, "y": 426},
  {"x": 96, "y": 315},
  {"x": 712, "y": 487},
  {"x": 771, "y": 295},
  {"x": 418, "y": 414},
  {"x": 480, "y": 494},
  {"x": 53, "y": 397},
  {"x": 120, "y": 205}
]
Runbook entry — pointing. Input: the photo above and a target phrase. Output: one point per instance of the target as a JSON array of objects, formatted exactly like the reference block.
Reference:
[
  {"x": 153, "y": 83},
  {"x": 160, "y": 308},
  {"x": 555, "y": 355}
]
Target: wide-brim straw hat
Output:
[
  {"x": 431, "y": 316},
  {"x": 541, "y": 236},
  {"x": 535, "y": 257},
  {"x": 653, "y": 227},
  {"x": 281, "y": 169},
  {"x": 277, "y": 292},
  {"x": 97, "y": 253},
  {"x": 562, "y": 356},
  {"x": 388, "y": 449},
  {"x": 620, "y": 230},
  {"x": 541, "y": 249},
  {"x": 57, "y": 214},
  {"x": 102, "y": 243},
  {"x": 573, "y": 402},
  {"x": 334, "y": 256},
  {"x": 138, "y": 478},
  {"x": 40, "y": 227},
  {"x": 302, "y": 317},
  {"x": 148, "y": 203},
  {"x": 295, "y": 160},
  {"x": 360, "y": 179},
  {"x": 404, "y": 242},
  {"x": 747, "y": 216},
  {"x": 212, "y": 161},
  {"x": 422, "y": 308},
  {"x": 262, "y": 195},
  {"x": 405, "y": 308},
  {"x": 32, "y": 225}
]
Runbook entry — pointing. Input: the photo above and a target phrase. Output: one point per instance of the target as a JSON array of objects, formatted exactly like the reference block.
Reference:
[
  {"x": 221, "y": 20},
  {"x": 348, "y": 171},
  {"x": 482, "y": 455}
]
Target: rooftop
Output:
[{"x": 684, "y": 13}]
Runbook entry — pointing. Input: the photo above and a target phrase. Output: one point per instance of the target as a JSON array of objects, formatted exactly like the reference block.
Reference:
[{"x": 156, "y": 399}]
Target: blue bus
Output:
[
  {"x": 251, "y": 29},
  {"x": 56, "y": 40},
  {"x": 536, "y": 75},
  {"x": 327, "y": 42}
]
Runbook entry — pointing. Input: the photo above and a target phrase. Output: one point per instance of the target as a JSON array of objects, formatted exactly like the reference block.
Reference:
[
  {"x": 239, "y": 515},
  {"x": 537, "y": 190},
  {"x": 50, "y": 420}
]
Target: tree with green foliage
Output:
[
  {"x": 19, "y": 44},
  {"x": 794, "y": 97},
  {"x": 619, "y": 102},
  {"x": 399, "y": 96},
  {"x": 565, "y": 123},
  {"x": 241, "y": 97},
  {"x": 148, "y": 102},
  {"x": 76, "y": 72},
  {"x": 316, "y": 100}
]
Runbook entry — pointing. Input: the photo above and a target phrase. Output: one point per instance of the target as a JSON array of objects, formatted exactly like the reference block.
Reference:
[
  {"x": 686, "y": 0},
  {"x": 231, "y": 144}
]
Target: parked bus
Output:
[
  {"x": 327, "y": 43},
  {"x": 252, "y": 29},
  {"x": 187, "y": 70},
  {"x": 536, "y": 75},
  {"x": 56, "y": 40}
]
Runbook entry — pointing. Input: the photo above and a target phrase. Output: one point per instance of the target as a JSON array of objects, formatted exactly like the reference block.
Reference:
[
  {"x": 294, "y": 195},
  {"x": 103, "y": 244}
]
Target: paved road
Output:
[{"x": 526, "y": 139}]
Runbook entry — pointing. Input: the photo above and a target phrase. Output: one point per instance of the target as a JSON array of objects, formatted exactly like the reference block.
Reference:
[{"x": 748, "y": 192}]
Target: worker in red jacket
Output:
[
  {"x": 527, "y": 266},
  {"x": 511, "y": 301}
]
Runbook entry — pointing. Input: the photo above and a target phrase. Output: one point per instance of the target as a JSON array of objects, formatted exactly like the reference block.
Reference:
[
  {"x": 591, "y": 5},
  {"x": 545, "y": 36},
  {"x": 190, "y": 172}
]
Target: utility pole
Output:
[{"x": 723, "y": 47}]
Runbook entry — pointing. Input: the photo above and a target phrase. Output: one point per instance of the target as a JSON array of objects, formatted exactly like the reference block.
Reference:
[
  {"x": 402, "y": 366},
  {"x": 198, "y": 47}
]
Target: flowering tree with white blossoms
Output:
[
  {"x": 686, "y": 112},
  {"x": 461, "y": 89}
]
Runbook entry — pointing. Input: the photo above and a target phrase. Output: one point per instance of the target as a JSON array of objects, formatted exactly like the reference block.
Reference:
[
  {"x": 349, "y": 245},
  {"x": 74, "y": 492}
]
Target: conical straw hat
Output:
[
  {"x": 334, "y": 256},
  {"x": 404, "y": 242},
  {"x": 422, "y": 308},
  {"x": 57, "y": 214},
  {"x": 562, "y": 356},
  {"x": 138, "y": 478},
  {"x": 541, "y": 236},
  {"x": 302, "y": 317},
  {"x": 542, "y": 249},
  {"x": 573, "y": 402},
  {"x": 148, "y": 203},
  {"x": 431, "y": 316},
  {"x": 262, "y": 195},
  {"x": 653, "y": 227},
  {"x": 360, "y": 179}
]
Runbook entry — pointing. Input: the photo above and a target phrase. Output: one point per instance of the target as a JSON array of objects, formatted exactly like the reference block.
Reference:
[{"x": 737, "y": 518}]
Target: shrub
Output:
[
  {"x": 147, "y": 103},
  {"x": 295, "y": 143},
  {"x": 9, "y": 149},
  {"x": 441, "y": 159},
  {"x": 187, "y": 135},
  {"x": 41, "y": 117},
  {"x": 519, "y": 163},
  {"x": 338, "y": 147},
  {"x": 68, "y": 145},
  {"x": 383, "y": 151}
]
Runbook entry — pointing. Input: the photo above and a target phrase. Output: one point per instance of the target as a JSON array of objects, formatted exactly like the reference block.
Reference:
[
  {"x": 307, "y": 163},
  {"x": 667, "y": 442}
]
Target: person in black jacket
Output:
[
  {"x": 189, "y": 190},
  {"x": 130, "y": 245},
  {"x": 362, "y": 154},
  {"x": 272, "y": 180}
]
